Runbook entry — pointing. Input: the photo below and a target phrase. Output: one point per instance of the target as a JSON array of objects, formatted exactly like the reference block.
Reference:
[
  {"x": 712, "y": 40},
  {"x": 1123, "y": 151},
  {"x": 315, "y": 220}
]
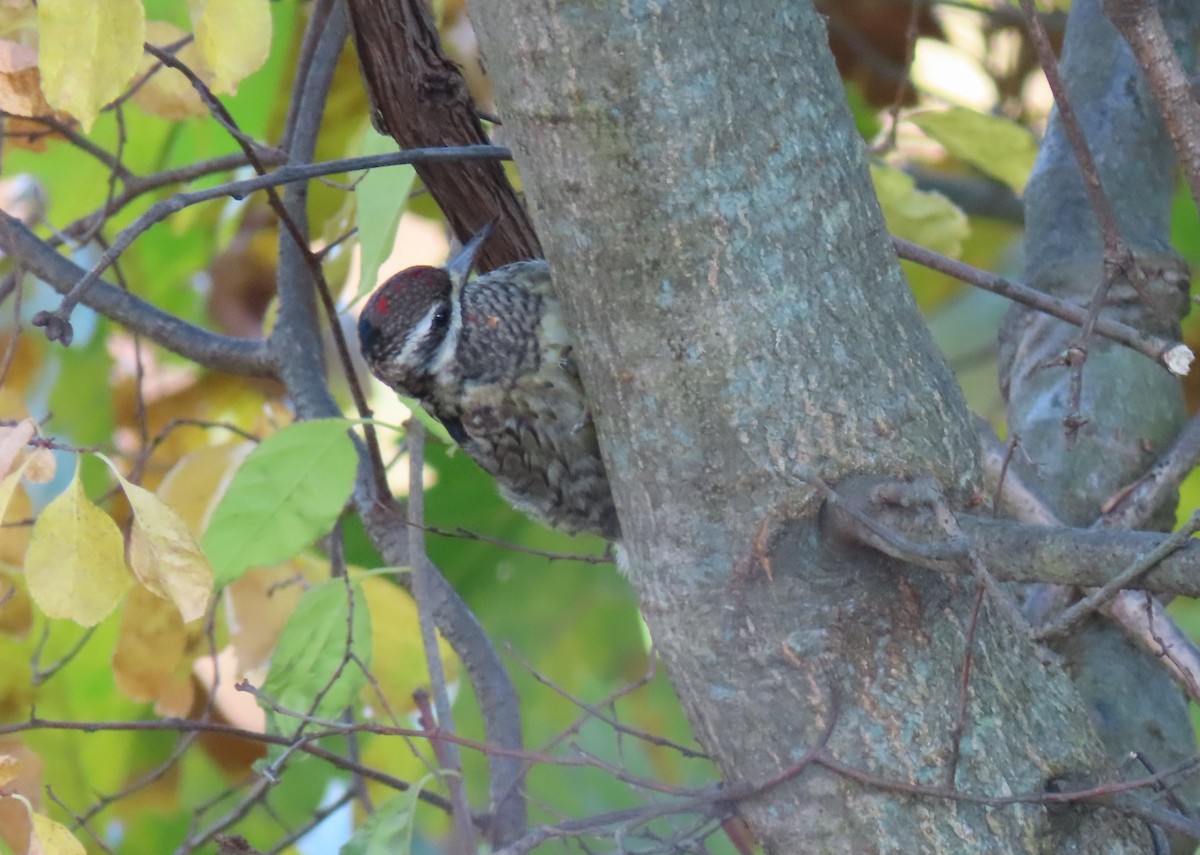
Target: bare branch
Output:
[
  {"x": 1134, "y": 504},
  {"x": 1116, "y": 251},
  {"x": 424, "y": 589},
  {"x": 294, "y": 342},
  {"x": 212, "y": 350},
  {"x": 1173, "y": 355},
  {"x": 1077, "y": 556},
  {"x": 1141, "y": 25},
  {"x": 159, "y": 211}
]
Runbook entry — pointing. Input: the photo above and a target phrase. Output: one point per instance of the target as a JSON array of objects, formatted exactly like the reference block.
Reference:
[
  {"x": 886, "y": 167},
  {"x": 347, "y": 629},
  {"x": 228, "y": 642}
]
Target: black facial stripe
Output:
[{"x": 368, "y": 336}]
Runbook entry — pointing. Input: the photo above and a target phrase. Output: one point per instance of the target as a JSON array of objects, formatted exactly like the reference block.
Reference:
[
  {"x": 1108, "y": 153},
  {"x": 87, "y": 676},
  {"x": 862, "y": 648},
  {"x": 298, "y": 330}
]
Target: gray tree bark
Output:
[
  {"x": 699, "y": 187},
  {"x": 1133, "y": 409}
]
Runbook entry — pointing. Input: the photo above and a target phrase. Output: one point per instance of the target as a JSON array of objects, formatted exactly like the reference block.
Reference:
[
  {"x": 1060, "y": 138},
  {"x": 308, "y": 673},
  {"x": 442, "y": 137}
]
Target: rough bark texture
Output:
[
  {"x": 419, "y": 98},
  {"x": 1133, "y": 407},
  {"x": 702, "y": 194}
]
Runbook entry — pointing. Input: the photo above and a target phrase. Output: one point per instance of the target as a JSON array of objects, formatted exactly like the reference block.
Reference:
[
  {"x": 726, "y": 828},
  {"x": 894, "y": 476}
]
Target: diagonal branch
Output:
[
  {"x": 419, "y": 98},
  {"x": 212, "y": 350},
  {"x": 1141, "y": 25},
  {"x": 1175, "y": 356},
  {"x": 292, "y": 174}
]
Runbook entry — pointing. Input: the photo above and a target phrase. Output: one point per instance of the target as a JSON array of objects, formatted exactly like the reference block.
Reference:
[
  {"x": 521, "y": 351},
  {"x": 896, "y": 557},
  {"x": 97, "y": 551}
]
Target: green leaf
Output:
[
  {"x": 288, "y": 492},
  {"x": 929, "y": 219},
  {"x": 381, "y": 195},
  {"x": 435, "y": 429},
  {"x": 996, "y": 146},
  {"x": 309, "y": 673},
  {"x": 389, "y": 830},
  {"x": 866, "y": 117}
]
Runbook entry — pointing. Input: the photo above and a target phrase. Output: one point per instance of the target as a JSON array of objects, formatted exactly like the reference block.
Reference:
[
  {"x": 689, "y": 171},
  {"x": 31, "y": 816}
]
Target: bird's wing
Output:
[{"x": 531, "y": 276}]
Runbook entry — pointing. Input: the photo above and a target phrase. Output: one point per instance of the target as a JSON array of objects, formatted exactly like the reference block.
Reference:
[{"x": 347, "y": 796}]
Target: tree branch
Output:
[
  {"x": 295, "y": 331},
  {"x": 419, "y": 98},
  {"x": 1175, "y": 356},
  {"x": 1083, "y": 557},
  {"x": 212, "y": 350},
  {"x": 1141, "y": 25}
]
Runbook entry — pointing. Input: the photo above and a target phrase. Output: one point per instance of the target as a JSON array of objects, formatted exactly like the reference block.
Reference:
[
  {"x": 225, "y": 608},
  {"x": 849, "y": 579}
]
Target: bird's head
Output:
[
  {"x": 404, "y": 327},
  {"x": 408, "y": 330}
]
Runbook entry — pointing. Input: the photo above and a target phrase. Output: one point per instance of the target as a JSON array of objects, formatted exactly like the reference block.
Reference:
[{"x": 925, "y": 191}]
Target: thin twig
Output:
[
  {"x": 964, "y": 689},
  {"x": 1133, "y": 505},
  {"x": 77, "y": 821},
  {"x": 1173, "y": 355},
  {"x": 1118, "y": 257},
  {"x": 55, "y": 125},
  {"x": 164, "y": 208},
  {"x": 1175, "y": 648},
  {"x": 461, "y": 533},
  {"x": 423, "y": 593},
  {"x": 319, "y": 815},
  {"x": 911, "y": 31},
  {"x": 240, "y": 356},
  {"x": 1151, "y": 627},
  {"x": 594, "y": 711},
  {"x": 136, "y": 187}
]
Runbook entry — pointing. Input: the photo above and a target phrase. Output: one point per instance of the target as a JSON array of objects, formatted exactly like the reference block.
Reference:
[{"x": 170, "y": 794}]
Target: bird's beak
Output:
[{"x": 460, "y": 266}]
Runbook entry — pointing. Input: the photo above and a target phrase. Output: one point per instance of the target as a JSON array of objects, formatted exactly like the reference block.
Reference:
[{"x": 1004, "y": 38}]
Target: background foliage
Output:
[{"x": 167, "y": 528}]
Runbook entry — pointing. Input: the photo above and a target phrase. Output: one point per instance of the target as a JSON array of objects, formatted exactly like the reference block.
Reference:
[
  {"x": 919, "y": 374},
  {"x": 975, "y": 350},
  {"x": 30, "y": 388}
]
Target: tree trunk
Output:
[{"x": 700, "y": 189}]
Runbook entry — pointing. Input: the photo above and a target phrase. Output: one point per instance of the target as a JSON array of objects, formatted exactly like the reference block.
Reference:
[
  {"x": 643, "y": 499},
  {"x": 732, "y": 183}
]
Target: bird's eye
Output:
[{"x": 441, "y": 317}]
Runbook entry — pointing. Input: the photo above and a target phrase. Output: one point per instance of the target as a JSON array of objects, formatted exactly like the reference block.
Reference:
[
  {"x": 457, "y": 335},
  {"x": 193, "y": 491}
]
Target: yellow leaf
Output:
[
  {"x": 397, "y": 655},
  {"x": 14, "y": 534},
  {"x": 89, "y": 50},
  {"x": 168, "y": 93},
  {"x": 234, "y": 38},
  {"x": 75, "y": 564},
  {"x": 16, "y": 612},
  {"x": 9, "y": 769},
  {"x": 196, "y": 481},
  {"x": 261, "y": 601},
  {"x": 164, "y": 555},
  {"x": 40, "y": 466},
  {"x": 12, "y": 442},
  {"x": 8, "y": 486},
  {"x": 50, "y": 838},
  {"x": 148, "y": 661},
  {"x": 929, "y": 219}
]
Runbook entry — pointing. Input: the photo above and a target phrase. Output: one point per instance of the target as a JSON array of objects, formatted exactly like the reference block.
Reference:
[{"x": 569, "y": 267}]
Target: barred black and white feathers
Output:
[{"x": 490, "y": 358}]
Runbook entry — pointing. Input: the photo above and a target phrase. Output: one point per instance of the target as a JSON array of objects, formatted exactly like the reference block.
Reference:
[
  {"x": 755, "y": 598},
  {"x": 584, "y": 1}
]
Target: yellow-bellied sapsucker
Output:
[{"x": 490, "y": 358}]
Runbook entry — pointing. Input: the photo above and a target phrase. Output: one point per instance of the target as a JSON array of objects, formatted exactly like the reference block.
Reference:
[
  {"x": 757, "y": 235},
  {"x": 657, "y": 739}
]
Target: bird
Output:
[{"x": 492, "y": 360}]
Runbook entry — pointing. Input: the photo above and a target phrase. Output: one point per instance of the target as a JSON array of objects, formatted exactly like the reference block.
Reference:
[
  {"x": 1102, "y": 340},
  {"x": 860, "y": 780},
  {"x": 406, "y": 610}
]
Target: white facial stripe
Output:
[
  {"x": 416, "y": 338},
  {"x": 446, "y": 350}
]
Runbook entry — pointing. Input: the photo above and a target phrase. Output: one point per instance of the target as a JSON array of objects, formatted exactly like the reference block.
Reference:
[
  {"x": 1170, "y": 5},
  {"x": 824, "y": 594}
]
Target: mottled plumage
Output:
[{"x": 491, "y": 359}]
